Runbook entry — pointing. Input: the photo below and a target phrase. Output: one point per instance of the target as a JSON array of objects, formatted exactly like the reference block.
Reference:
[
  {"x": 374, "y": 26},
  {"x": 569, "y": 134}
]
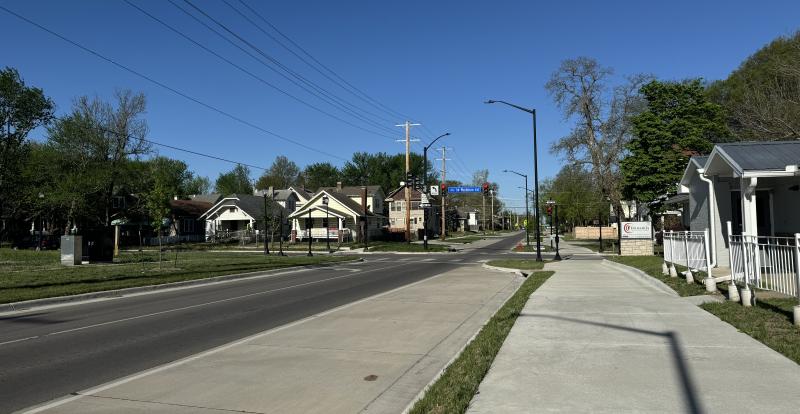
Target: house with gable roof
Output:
[{"x": 340, "y": 219}]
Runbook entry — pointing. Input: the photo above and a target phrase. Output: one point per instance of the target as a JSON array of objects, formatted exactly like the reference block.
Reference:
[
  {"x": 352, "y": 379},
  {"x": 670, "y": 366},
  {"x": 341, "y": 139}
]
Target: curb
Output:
[
  {"x": 83, "y": 297},
  {"x": 644, "y": 277},
  {"x": 505, "y": 270}
]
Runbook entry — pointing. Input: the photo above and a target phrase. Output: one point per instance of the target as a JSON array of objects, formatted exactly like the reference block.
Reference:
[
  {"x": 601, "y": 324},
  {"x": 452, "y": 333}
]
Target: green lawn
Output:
[
  {"x": 522, "y": 264},
  {"x": 770, "y": 322},
  {"x": 453, "y": 391},
  {"x": 652, "y": 266},
  {"x": 532, "y": 248},
  {"x": 609, "y": 246},
  {"x": 26, "y": 274}
]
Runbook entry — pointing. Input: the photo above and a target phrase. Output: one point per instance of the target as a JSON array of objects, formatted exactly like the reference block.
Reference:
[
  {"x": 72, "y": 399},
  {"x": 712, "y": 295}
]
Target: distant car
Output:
[{"x": 44, "y": 242}]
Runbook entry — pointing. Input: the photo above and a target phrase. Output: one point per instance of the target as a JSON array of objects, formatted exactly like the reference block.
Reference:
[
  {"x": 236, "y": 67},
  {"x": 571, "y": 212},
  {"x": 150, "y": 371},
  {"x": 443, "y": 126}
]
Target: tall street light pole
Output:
[
  {"x": 327, "y": 224},
  {"x": 426, "y": 189},
  {"x": 527, "y": 215},
  {"x": 535, "y": 170}
]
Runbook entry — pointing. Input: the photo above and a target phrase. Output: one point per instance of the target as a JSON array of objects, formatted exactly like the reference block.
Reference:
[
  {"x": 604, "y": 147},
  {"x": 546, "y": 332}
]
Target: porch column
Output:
[{"x": 749, "y": 217}]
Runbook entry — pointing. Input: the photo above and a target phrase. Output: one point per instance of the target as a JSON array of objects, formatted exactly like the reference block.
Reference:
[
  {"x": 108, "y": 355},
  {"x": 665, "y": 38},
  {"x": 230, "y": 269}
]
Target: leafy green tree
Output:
[
  {"x": 383, "y": 169},
  {"x": 157, "y": 202},
  {"x": 236, "y": 181},
  {"x": 578, "y": 196},
  {"x": 679, "y": 122},
  {"x": 198, "y": 185},
  {"x": 320, "y": 174},
  {"x": 283, "y": 173},
  {"x": 22, "y": 109},
  {"x": 762, "y": 96}
]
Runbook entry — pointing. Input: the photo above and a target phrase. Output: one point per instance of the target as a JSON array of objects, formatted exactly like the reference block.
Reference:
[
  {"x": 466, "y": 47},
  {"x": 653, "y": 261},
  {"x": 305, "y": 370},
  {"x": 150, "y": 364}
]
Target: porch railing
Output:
[
  {"x": 689, "y": 249},
  {"x": 769, "y": 263},
  {"x": 321, "y": 233}
]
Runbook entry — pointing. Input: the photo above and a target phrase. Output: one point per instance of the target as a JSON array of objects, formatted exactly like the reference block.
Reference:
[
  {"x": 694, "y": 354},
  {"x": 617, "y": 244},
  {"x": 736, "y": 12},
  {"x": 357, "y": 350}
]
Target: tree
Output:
[
  {"x": 321, "y": 174},
  {"x": 22, "y": 109},
  {"x": 479, "y": 177},
  {"x": 679, "y": 122},
  {"x": 383, "y": 169},
  {"x": 235, "y": 181},
  {"x": 577, "y": 195},
  {"x": 283, "y": 173},
  {"x": 157, "y": 204},
  {"x": 602, "y": 123},
  {"x": 762, "y": 96},
  {"x": 198, "y": 185}
]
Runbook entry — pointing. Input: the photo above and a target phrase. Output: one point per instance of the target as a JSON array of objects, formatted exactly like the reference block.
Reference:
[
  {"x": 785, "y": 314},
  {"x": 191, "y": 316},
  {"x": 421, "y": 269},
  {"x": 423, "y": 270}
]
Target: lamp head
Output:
[{"x": 490, "y": 101}]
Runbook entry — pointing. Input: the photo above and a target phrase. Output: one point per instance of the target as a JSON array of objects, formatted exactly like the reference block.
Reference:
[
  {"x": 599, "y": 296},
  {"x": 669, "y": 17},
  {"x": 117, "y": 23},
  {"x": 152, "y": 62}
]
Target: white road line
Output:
[
  {"x": 212, "y": 351},
  {"x": 196, "y": 305}
]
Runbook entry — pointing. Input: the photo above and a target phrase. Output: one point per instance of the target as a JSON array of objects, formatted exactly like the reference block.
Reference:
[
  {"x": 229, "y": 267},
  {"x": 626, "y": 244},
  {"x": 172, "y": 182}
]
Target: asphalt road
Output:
[{"x": 49, "y": 353}]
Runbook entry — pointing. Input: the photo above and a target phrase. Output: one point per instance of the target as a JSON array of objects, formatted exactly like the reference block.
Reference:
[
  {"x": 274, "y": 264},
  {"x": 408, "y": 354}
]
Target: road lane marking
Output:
[
  {"x": 151, "y": 371},
  {"x": 350, "y": 274}
]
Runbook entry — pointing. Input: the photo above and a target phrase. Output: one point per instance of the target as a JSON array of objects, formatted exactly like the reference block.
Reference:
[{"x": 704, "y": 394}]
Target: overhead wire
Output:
[{"x": 167, "y": 87}]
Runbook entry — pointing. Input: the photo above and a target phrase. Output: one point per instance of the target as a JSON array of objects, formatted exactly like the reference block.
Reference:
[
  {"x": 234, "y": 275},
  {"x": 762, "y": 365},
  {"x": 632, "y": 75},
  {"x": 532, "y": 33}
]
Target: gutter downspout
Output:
[{"x": 712, "y": 218}]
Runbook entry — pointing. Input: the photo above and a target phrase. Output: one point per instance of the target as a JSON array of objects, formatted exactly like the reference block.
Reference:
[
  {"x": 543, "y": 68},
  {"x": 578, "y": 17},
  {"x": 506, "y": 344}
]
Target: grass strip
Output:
[
  {"x": 454, "y": 390},
  {"x": 26, "y": 275},
  {"x": 769, "y": 322},
  {"x": 652, "y": 266},
  {"x": 521, "y": 264}
]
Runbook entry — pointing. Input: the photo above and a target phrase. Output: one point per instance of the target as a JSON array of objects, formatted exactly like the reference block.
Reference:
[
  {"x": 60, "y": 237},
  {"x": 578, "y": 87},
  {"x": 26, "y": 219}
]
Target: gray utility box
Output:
[{"x": 71, "y": 250}]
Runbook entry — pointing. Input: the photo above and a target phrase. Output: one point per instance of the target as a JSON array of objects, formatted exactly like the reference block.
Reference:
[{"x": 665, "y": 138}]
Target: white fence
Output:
[
  {"x": 769, "y": 263},
  {"x": 687, "y": 248}
]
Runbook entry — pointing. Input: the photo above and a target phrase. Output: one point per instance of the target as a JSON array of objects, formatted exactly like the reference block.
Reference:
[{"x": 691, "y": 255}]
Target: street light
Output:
[
  {"x": 309, "y": 225},
  {"x": 555, "y": 206},
  {"x": 41, "y": 229},
  {"x": 327, "y": 225},
  {"x": 528, "y": 217},
  {"x": 426, "y": 190},
  {"x": 535, "y": 168}
]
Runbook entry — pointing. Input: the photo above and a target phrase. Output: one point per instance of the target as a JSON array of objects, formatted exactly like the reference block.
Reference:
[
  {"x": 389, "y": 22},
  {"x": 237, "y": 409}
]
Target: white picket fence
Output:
[
  {"x": 689, "y": 249},
  {"x": 769, "y": 263}
]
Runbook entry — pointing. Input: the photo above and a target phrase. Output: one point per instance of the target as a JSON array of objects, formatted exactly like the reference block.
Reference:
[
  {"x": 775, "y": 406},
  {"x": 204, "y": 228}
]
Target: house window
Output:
[
  {"x": 187, "y": 225},
  {"x": 118, "y": 202},
  {"x": 415, "y": 205}
]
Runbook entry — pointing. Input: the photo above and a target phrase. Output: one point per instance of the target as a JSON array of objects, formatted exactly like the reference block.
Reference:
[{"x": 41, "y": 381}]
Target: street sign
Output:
[
  {"x": 435, "y": 190},
  {"x": 463, "y": 189},
  {"x": 424, "y": 199}
]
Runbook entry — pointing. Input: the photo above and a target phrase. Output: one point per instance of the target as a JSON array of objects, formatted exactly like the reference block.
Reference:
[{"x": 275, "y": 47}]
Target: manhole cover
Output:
[{"x": 370, "y": 377}]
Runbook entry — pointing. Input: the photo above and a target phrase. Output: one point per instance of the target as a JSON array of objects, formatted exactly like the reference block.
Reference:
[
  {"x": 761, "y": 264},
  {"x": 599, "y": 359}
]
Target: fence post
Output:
[
  {"x": 746, "y": 294},
  {"x": 797, "y": 277},
  {"x": 664, "y": 266},
  {"x": 688, "y": 274},
  {"x": 672, "y": 271},
  {"x": 733, "y": 291},
  {"x": 711, "y": 284}
]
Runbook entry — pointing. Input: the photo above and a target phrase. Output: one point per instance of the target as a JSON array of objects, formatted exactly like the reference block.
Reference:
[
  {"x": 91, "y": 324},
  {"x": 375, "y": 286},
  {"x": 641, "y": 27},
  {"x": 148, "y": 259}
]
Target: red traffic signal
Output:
[
  {"x": 549, "y": 210},
  {"x": 443, "y": 187},
  {"x": 486, "y": 188}
]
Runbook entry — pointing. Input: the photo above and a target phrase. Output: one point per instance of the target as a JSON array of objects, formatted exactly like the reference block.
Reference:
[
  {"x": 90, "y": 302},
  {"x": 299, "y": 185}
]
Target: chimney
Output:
[
  {"x": 339, "y": 186},
  {"x": 271, "y": 192}
]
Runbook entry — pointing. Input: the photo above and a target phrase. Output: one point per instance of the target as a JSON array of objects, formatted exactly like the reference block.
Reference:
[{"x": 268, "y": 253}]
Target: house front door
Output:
[{"x": 763, "y": 212}]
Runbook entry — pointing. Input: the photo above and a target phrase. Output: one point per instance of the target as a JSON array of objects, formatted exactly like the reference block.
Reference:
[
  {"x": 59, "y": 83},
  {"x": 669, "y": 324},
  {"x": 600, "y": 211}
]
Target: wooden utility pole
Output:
[
  {"x": 408, "y": 140},
  {"x": 443, "y": 192}
]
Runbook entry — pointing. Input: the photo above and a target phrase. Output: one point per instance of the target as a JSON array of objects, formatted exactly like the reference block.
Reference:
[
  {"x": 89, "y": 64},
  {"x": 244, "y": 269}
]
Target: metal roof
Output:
[{"x": 769, "y": 155}]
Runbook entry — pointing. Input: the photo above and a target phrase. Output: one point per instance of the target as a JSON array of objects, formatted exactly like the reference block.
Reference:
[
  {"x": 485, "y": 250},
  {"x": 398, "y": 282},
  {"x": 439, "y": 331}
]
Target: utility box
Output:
[{"x": 71, "y": 250}]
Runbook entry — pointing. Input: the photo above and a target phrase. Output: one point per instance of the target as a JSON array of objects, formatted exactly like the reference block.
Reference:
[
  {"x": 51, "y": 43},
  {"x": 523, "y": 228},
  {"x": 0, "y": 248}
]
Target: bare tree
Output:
[{"x": 602, "y": 124}]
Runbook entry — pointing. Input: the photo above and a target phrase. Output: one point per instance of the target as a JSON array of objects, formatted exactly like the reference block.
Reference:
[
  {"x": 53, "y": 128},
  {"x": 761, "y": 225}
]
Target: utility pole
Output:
[
  {"x": 491, "y": 220},
  {"x": 443, "y": 194},
  {"x": 407, "y": 125}
]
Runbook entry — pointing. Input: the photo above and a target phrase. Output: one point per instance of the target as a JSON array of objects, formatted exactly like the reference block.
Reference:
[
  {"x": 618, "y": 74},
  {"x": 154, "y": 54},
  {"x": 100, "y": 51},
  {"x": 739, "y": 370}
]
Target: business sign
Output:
[
  {"x": 636, "y": 230},
  {"x": 463, "y": 189}
]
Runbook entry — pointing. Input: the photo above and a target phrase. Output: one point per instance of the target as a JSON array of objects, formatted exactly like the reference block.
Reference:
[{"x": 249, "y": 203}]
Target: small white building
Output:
[
  {"x": 754, "y": 185},
  {"x": 339, "y": 219},
  {"x": 396, "y": 201},
  {"x": 240, "y": 212}
]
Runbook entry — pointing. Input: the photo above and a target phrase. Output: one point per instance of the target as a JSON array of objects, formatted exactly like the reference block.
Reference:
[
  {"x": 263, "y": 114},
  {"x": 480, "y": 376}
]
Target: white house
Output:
[
  {"x": 374, "y": 195},
  {"x": 239, "y": 212},
  {"x": 754, "y": 185},
  {"x": 340, "y": 219},
  {"x": 396, "y": 201}
]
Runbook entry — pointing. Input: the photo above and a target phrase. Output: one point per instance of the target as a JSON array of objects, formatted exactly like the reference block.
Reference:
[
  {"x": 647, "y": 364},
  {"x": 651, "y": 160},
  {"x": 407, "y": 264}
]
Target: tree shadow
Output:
[
  {"x": 32, "y": 318},
  {"x": 693, "y": 404}
]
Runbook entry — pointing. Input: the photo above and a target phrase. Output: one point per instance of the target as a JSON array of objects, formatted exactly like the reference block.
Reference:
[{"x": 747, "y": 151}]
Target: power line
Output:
[
  {"x": 242, "y": 69},
  {"x": 167, "y": 87},
  {"x": 318, "y": 92},
  {"x": 365, "y": 96}
]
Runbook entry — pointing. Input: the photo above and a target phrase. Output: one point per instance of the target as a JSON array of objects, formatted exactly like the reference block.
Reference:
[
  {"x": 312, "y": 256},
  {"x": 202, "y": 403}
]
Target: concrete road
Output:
[{"x": 52, "y": 352}]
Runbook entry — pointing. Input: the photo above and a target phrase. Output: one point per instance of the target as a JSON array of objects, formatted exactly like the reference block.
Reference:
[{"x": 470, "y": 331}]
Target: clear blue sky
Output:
[{"x": 435, "y": 61}]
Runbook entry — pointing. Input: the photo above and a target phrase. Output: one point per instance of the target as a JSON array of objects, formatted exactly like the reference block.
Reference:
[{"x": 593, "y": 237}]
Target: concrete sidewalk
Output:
[
  {"x": 594, "y": 338},
  {"x": 375, "y": 355}
]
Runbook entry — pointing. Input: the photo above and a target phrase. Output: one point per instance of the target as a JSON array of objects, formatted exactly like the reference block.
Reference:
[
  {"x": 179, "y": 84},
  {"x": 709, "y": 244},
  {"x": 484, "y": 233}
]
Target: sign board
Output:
[
  {"x": 435, "y": 190},
  {"x": 473, "y": 219},
  {"x": 463, "y": 189},
  {"x": 636, "y": 230}
]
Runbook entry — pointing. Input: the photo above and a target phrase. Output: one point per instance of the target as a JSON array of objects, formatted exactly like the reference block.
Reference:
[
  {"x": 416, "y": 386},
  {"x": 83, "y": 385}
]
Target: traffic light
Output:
[
  {"x": 486, "y": 188},
  {"x": 549, "y": 210},
  {"x": 443, "y": 187}
]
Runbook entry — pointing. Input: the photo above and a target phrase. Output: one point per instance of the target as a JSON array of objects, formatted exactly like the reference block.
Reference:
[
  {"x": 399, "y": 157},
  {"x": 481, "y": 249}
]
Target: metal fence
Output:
[
  {"x": 687, "y": 248},
  {"x": 192, "y": 238},
  {"x": 769, "y": 263}
]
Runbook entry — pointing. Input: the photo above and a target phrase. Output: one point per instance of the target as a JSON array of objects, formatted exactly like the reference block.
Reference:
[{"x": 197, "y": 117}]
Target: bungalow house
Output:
[
  {"x": 375, "y": 195},
  {"x": 288, "y": 198},
  {"x": 240, "y": 212},
  {"x": 468, "y": 219},
  {"x": 754, "y": 185},
  {"x": 339, "y": 219},
  {"x": 396, "y": 201}
]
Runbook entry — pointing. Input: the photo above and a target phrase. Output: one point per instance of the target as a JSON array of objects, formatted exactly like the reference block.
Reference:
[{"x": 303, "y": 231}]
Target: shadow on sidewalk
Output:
[{"x": 693, "y": 405}]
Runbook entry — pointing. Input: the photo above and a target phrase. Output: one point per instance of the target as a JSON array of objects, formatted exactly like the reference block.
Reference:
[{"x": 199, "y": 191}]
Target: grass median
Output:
[
  {"x": 454, "y": 390},
  {"x": 27, "y": 274}
]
